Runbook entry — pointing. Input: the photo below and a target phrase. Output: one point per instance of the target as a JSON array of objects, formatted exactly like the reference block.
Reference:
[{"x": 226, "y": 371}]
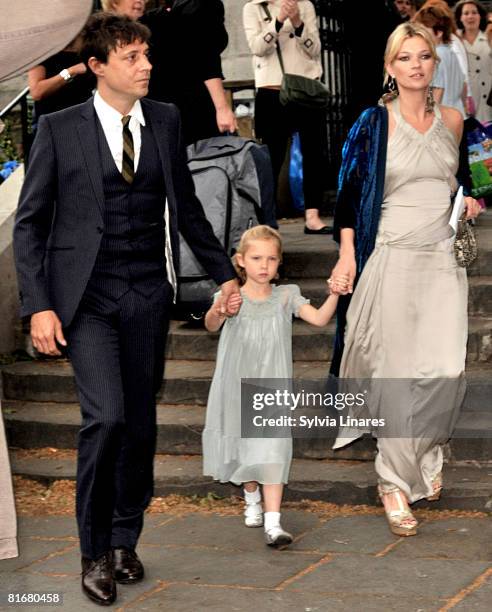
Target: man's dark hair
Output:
[{"x": 103, "y": 32}]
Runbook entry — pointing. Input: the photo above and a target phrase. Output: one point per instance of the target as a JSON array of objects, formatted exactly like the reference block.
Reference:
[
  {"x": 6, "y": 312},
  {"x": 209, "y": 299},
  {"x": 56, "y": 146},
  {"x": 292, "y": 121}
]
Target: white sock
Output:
[
  {"x": 252, "y": 497},
  {"x": 271, "y": 519}
]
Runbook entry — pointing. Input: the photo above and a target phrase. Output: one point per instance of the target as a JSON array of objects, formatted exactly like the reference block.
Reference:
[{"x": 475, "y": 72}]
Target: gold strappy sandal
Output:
[
  {"x": 436, "y": 487},
  {"x": 401, "y": 522}
]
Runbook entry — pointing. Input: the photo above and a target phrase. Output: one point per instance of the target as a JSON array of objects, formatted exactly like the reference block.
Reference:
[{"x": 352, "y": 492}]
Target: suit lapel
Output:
[
  {"x": 86, "y": 128},
  {"x": 159, "y": 125}
]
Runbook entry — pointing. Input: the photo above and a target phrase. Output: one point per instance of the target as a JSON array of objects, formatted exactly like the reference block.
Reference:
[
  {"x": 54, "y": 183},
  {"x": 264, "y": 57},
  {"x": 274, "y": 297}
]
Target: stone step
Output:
[
  {"x": 309, "y": 343},
  {"x": 47, "y": 424},
  {"x": 467, "y": 487},
  {"x": 185, "y": 382},
  {"x": 485, "y": 219},
  {"x": 479, "y": 293},
  {"x": 314, "y": 256}
]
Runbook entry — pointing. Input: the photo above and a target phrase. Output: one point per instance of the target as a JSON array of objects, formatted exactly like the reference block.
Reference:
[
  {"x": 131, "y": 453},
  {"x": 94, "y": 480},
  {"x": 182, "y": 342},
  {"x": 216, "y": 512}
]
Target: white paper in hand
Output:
[{"x": 458, "y": 209}]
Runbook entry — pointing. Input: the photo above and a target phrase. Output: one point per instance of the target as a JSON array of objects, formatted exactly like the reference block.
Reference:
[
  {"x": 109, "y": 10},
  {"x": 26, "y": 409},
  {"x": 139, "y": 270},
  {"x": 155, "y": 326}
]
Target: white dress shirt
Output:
[
  {"x": 449, "y": 77},
  {"x": 112, "y": 127}
]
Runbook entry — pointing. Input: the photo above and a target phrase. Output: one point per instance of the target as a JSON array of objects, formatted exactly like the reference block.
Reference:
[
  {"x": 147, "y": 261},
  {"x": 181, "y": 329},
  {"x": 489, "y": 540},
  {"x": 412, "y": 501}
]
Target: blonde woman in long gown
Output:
[{"x": 407, "y": 318}]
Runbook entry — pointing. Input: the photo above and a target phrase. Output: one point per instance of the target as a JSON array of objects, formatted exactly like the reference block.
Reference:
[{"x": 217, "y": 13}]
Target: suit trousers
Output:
[
  {"x": 275, "y": 123},
  {"x": 117, "y": 353}
]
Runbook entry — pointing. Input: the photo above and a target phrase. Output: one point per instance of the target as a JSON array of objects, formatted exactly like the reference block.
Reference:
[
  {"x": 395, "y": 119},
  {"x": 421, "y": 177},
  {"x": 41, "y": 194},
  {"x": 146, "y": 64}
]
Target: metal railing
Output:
[{"x": 336, "y": 70}]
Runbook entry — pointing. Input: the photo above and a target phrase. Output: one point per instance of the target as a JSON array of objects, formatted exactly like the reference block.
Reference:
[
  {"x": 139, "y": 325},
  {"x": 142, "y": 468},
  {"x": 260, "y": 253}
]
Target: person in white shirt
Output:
[
  {"x": 448, "y": 83},
  {"x": 470, "y": 18},
  {"x": 292, "y": 26}
]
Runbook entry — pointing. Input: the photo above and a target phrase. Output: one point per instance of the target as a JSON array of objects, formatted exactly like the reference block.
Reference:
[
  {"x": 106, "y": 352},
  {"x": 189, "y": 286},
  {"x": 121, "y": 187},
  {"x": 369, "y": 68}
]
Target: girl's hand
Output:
[
  {"x": 473, "y": 208},
  {"x": 345, "y": 268}
]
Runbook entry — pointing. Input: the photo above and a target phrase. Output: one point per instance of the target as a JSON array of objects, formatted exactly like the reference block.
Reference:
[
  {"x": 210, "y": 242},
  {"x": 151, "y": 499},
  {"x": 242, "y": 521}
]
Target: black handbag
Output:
[{"x": 299, "y": 90}]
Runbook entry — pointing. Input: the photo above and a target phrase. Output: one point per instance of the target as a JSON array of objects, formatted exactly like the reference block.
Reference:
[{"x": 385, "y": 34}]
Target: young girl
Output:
[{"x": 257, "y": 343}]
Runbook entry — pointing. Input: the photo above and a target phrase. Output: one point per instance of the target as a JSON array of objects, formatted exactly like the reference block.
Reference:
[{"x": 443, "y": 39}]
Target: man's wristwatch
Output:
[{"x": 65, "y": 75}]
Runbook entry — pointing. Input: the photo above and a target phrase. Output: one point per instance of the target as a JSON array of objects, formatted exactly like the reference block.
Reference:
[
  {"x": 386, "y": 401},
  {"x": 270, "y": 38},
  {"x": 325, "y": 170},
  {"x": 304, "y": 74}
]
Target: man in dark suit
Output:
[{"x": 96, "y": 247}]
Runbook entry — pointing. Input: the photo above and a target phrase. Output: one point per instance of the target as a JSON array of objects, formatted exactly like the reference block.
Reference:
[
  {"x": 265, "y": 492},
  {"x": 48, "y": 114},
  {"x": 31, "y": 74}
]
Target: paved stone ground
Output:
[{"x": 203, "y": 561}]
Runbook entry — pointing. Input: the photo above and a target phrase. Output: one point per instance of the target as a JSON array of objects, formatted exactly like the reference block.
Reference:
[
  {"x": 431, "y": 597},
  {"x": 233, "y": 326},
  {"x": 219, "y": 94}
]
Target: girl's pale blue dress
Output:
[{"x": 257, "y": 343}]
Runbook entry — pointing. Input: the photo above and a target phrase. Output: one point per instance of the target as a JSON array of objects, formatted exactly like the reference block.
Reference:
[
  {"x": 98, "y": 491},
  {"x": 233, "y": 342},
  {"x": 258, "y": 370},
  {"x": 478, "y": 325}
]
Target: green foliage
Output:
[
  {"x": 8, "y": 151},
  {"x": 207, "y": 500}
]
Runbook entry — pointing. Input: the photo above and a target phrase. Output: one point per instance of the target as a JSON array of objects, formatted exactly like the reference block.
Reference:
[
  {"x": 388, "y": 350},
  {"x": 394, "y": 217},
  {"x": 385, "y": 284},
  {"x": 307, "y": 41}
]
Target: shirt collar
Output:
[{"x": 107, "y": 113}]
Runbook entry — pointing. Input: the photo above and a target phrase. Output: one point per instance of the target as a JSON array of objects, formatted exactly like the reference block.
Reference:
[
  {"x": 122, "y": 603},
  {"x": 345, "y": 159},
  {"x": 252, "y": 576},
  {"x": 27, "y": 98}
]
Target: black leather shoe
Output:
[
  {"x": 326, "y": 229},
  {"x": 97, "y": 580},
  {"x": 127, "y": 566}
]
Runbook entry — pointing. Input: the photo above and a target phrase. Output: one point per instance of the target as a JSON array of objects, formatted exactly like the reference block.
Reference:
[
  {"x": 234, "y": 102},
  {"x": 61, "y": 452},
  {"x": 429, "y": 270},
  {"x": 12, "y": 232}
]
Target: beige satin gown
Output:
[{"x": 408, "y": 316}]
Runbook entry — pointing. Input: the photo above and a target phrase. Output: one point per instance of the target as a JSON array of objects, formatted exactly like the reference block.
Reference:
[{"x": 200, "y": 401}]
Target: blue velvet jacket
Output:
[
  {"x": 360, "y": 195},
  {"x": 359, "y": 198}
]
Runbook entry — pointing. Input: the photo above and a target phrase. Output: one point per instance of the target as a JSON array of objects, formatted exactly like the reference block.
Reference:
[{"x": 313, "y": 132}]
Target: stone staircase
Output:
[{"x": 40, "y": 404}]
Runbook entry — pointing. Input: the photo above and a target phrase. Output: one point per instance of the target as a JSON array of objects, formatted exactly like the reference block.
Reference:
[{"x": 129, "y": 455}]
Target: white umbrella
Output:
[{"x": 32, "y": 30}]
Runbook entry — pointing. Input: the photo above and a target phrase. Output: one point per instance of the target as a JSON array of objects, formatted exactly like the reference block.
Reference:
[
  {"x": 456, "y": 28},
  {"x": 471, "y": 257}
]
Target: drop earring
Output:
[
  {"x": 429, "y": 101},
  {"x": 392, "y": 86},
  {"x": 391, "y": 91}
]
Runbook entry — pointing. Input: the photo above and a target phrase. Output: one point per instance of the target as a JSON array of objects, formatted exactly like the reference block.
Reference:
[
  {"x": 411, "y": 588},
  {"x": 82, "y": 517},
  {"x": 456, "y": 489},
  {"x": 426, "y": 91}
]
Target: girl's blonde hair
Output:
[
  {"x": 258, "y": 232},
  {"x": 108, "y": 5},
  {"x": 399, "y": 36}
]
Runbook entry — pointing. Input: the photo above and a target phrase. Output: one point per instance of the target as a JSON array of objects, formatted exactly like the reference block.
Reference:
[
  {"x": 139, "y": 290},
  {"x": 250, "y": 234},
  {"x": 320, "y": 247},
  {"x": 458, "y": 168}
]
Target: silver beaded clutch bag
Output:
[{"x": 465, "y": 244}]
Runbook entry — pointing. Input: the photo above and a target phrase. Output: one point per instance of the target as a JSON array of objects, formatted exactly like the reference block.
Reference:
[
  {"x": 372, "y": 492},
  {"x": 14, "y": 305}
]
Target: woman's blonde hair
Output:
[
  {"x": 402, "y": 33},
  {"x": 258, "y": 232}
]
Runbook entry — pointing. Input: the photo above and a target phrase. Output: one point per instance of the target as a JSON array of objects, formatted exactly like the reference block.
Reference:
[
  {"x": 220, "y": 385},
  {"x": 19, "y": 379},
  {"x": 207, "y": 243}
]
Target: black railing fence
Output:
[{"x": 336, "y": 69}]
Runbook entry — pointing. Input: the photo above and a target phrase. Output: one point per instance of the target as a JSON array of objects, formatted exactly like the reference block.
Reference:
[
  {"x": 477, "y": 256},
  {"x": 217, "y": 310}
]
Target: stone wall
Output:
[
  {"x": 236, "y": 59},
  {"x": 10, "y": 88},
  {"x": 9, "y": 303}
]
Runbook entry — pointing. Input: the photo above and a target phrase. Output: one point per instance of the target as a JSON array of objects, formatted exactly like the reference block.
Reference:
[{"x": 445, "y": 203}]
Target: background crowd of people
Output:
[{"x": 188, "y": 37}]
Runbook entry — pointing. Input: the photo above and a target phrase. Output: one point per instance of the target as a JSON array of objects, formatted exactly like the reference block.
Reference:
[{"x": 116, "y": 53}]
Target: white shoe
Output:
[
  {"x": 276, "y": 536},
  {"x": 253, "y": 515}
]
